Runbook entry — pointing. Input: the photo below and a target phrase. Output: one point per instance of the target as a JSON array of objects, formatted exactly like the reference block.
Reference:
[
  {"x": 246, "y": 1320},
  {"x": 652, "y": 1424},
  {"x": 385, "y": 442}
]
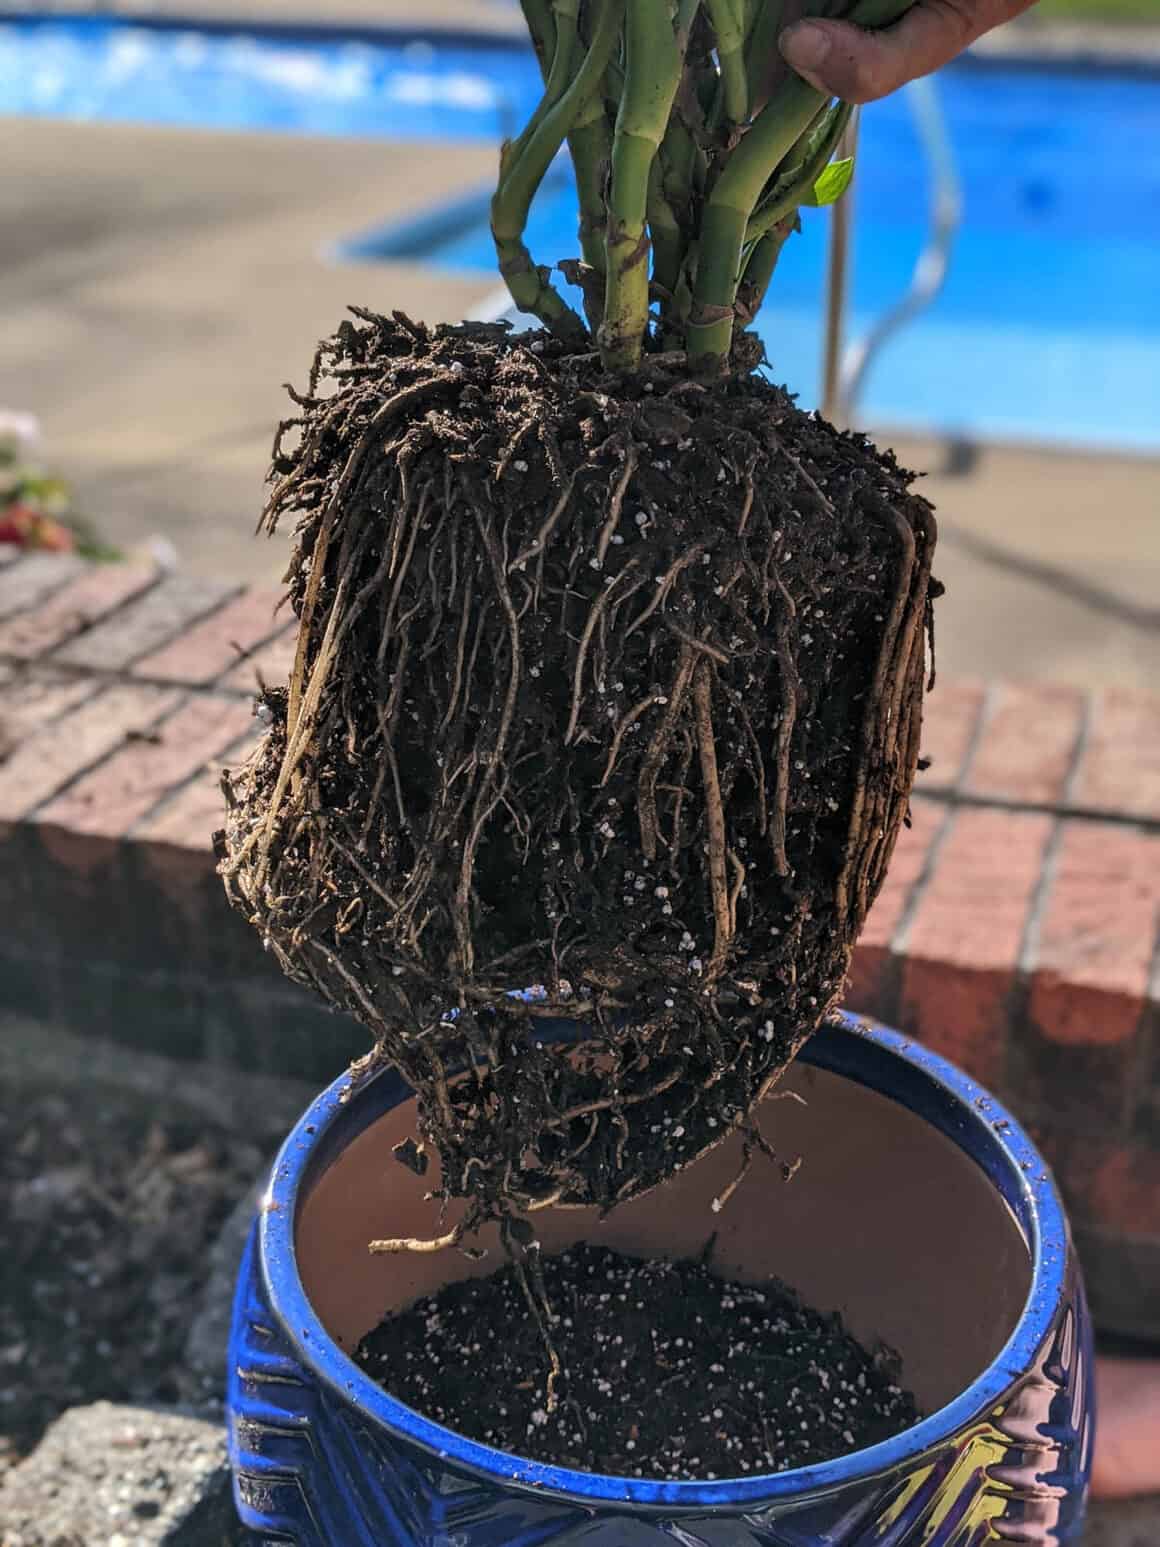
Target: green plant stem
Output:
[
  {"x": 542, "y": 28},
  {"x": 668, "y": 241},
  {"x": 591, "y": 145},
  {"x": 685, "y": 164},
  {"x": 790, "y": 189},
  {"x": 728, "y": 26},
  {"x": 713, "y": 148},
  {"x": 588, "y": 141},
  {"x": 522, "y": 171},
  {"x": 760, "y": 267},
  {"x": 682, "y": 158},
  {"x": 734, "y": 197},
  {"x": 686, "y": 15},
  {"x": 727, "y": 214},
  {"x": 761, "y": 55},
  {"x": 566, "y": 36},
  {"x": 653, "y": 65}
]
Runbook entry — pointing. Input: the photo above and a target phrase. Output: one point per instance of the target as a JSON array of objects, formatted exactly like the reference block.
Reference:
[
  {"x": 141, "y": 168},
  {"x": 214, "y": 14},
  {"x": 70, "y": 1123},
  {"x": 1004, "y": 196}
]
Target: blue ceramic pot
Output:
[{"x": 323, "y": 1457}]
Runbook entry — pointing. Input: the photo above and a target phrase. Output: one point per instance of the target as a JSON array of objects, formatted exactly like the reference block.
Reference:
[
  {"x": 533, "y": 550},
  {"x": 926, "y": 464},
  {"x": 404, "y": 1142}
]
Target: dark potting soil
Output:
[{"x": 668, "y": 1371}]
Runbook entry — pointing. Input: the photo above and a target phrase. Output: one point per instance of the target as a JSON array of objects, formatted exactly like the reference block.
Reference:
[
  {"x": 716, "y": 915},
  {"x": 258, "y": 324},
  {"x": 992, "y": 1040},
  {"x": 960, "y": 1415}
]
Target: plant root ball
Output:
[{"x": 610, "y": 687}]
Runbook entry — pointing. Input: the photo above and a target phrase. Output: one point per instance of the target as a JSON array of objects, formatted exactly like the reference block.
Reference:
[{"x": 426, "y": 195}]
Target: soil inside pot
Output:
[{"x": 667, "y": 1370}]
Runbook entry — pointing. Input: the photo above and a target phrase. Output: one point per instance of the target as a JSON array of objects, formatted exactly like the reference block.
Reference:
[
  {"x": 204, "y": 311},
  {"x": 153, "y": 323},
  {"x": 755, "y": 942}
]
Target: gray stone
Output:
[{"x": 113, "y": 1476}]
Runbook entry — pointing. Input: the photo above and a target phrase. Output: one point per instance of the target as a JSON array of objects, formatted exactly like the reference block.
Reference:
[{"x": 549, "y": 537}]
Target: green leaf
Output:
[{"x": 832, "y": 184}]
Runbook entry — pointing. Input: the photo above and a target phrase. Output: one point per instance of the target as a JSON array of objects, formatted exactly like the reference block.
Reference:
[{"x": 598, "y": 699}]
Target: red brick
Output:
[
  {"x": 271, "y": 664},
  {"x": 82, "y": 602},
  {"x": 974, "y": 909},
  {"x": 1121, "y": 767},
  {"x": 950, "y": 717},
  {"x": 963, "y": 945},
  {"x": 125, "y": 787},
  {"x": 189, "y": 819},
  {"x": 174, "y": 843},
  {"x": 1028, "y": 744},
  {"x": 1110, "y": 1186},
  {"x": 1122, "y": 1278},
  {"x": 146, "y": 624},
  {"x": 63, "y": 749},
  {"x": 1093, "y": 955},
  {"x": 31, "y": 696},
  {"x": 217, "y": 643},
  {"x": 1082, "y": 1087},
  {"x": 34, "y": 578},
  {"x": 871, "y": 969}
]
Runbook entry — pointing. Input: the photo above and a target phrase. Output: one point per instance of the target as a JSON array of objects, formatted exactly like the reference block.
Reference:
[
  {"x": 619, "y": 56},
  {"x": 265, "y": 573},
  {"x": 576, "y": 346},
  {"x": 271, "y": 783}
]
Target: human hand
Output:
[{"x": 859, "y": 65}]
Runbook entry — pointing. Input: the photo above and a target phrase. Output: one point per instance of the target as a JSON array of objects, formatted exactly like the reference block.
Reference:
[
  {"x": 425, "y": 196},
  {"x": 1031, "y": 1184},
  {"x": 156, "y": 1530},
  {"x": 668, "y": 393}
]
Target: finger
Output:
[{"x": 860, "y": 66}]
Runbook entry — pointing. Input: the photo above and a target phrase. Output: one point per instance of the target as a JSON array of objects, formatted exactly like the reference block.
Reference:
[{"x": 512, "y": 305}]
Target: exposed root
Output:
[
  {"x": 655, "y": 766},
  {"x": 439, "y": 1243},
  {"x": 714, "y": 819}
]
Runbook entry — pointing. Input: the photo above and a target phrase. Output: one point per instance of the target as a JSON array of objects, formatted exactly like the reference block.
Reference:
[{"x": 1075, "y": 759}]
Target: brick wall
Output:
[
  {"x": 1017, "y": 932},
  {"x": 123, "y": 693}
]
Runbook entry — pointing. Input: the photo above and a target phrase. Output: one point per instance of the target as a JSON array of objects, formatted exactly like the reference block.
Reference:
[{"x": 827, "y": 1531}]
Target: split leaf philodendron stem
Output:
[{"x": 693, "y": 147}]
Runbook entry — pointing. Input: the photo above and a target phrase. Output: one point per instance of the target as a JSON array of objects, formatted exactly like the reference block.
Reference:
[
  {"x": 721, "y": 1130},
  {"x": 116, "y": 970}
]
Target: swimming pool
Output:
[
  {"x": 1048, "y": 327},
  {"x": 333, "y": 82}
]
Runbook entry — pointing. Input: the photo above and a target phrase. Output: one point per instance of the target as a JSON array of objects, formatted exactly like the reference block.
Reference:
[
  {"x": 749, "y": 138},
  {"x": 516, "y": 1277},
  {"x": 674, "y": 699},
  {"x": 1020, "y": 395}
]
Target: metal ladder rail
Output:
[{"x": 844, "y": 370}]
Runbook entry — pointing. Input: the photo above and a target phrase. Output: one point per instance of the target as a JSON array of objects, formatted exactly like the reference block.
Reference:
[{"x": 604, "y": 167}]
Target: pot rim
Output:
[{"x": 873, "y": 1056}]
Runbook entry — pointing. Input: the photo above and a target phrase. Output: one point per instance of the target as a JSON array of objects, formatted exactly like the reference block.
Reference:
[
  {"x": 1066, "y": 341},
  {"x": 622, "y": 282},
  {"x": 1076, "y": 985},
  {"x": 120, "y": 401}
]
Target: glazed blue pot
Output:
[{"x": 323, "y": 1457}]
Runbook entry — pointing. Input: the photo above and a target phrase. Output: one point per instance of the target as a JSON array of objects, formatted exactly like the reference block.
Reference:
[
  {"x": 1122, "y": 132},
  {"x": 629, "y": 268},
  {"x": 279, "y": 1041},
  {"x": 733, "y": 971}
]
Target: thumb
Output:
[
  {"x": 843, "y": 60},
  {"x": 859, "y": 65}
]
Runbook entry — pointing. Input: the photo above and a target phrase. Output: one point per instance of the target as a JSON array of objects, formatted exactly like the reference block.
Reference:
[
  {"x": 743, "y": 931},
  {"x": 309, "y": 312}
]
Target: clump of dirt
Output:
[
  {"x": 671, "y": 1372},
  {"x": 607, "y": 686},
  {"x": 109, "y": 1212}
]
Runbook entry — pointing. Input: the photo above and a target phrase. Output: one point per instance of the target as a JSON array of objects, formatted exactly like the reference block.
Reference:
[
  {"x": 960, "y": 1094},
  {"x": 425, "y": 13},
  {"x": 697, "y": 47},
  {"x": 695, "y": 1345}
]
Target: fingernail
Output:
[{"x": 805, "y": 47}]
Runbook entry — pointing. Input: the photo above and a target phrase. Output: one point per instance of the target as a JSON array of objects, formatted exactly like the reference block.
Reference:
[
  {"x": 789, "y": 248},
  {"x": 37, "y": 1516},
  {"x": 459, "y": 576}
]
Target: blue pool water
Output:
[
  {"x": 1048, "y": 327},
  {"x": 397, "y": 86}
]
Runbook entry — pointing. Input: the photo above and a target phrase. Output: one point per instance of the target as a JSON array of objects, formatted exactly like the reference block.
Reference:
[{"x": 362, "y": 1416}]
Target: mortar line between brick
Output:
[
  {"x": 900, "y": 941},
  {"x": 1145, "y": 824},
  {"x": 186, "y": 625},
  {"x": 45, "y": 658},
  {"x": 31, "y": 667},
  {"x": 82, "y": 773},
  {"x": 1044, "y": 886},
  {"x": 1019, "y": 998},
  {"x": 106, "y": 676},
  {"x": 41, "y": 599},
  {"x": 247, "y": 655},
  {"x": 163, "y": 802}
]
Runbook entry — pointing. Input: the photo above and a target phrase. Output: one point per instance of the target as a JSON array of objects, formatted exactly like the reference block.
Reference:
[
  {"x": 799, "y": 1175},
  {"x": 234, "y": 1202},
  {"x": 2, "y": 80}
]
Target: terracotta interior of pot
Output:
[{"x": 886, "y": 1221}]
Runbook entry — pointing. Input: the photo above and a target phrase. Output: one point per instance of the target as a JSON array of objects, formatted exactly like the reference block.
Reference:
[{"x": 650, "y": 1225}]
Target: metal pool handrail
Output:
[{"x": 843, "y": 374}]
